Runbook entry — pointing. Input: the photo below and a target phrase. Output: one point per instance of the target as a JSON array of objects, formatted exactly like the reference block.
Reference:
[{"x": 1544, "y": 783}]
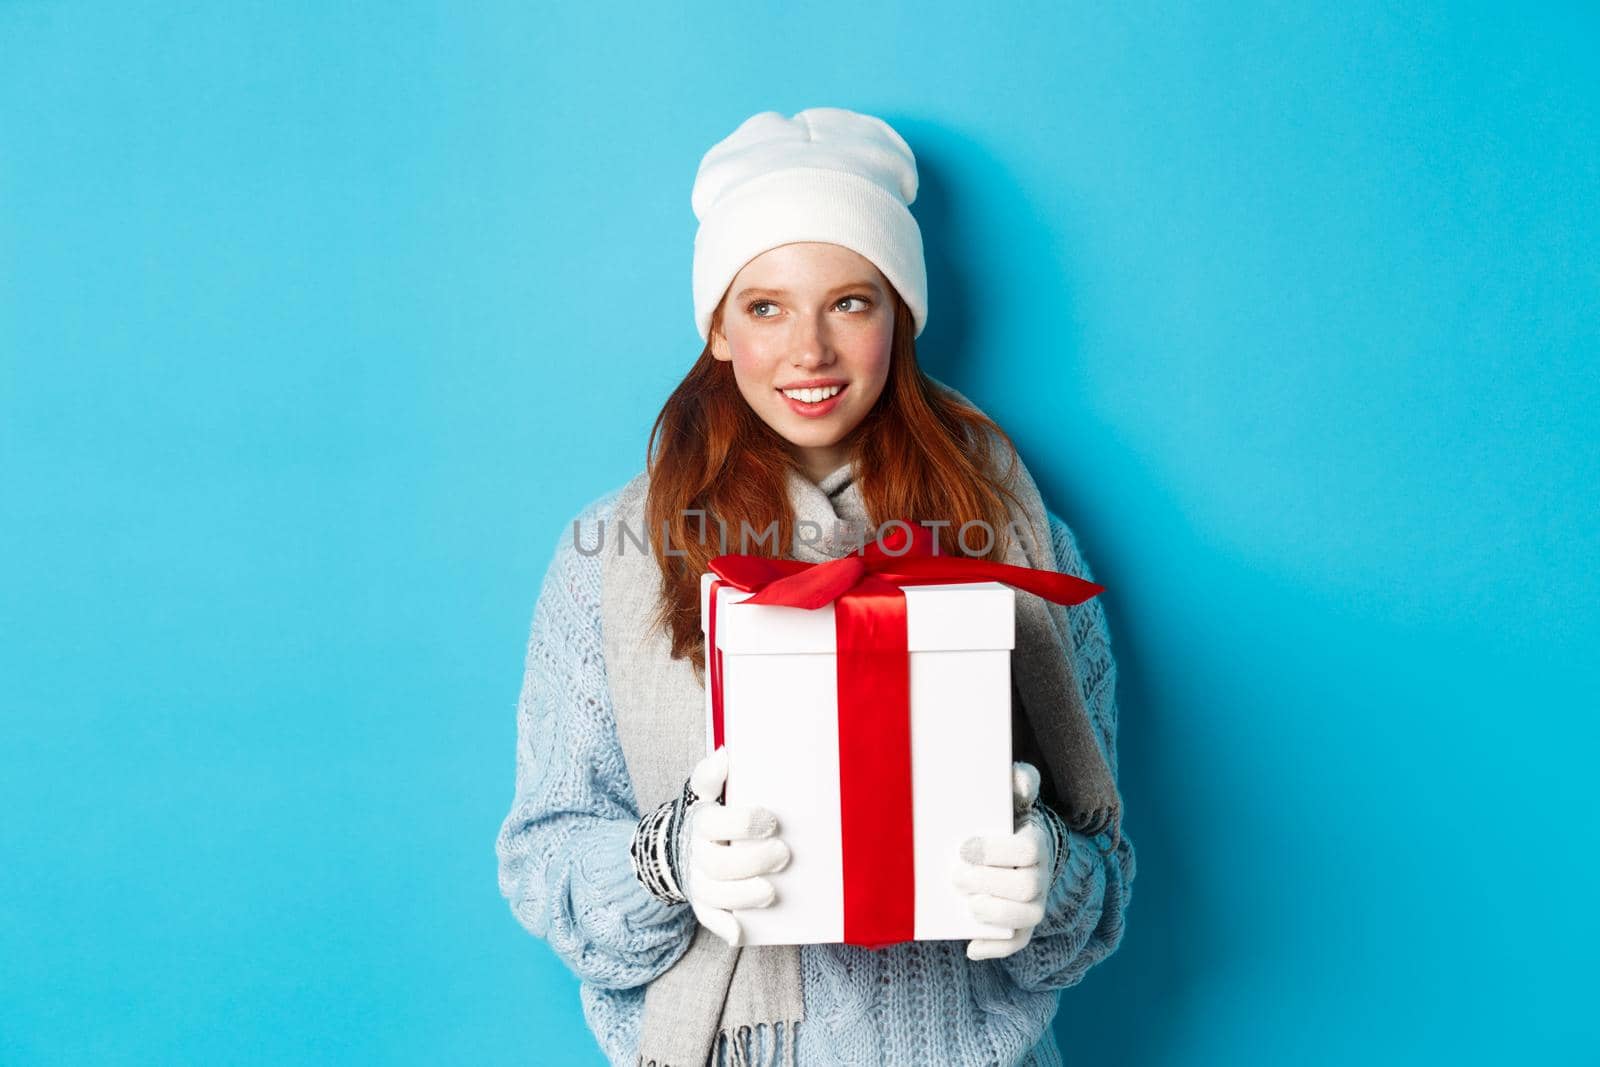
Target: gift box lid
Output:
[{"x": 960, "y": 615}]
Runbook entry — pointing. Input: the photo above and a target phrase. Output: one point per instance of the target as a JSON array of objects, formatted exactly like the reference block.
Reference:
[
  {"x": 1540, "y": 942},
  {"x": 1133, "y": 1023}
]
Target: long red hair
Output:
[{"x": 918, "y": 455}]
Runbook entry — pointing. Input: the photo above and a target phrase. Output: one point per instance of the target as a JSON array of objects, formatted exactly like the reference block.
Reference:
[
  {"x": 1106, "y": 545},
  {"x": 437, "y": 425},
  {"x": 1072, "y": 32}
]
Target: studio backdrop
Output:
[{"x": 319, "y": 322}]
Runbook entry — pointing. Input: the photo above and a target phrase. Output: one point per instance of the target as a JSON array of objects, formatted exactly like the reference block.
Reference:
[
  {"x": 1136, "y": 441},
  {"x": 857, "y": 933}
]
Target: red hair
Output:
[{"x": 919, "y": 454}]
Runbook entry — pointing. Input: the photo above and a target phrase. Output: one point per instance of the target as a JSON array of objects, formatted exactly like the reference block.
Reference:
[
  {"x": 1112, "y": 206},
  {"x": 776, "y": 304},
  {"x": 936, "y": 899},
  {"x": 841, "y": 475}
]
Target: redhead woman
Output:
[{"x": 804, "y": 427}]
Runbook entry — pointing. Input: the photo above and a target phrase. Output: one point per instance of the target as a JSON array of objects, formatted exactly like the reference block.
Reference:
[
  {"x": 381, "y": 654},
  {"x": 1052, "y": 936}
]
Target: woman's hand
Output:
[
  {"x": 1007, "y": 877},
  {"x": 711, "y": 854}
]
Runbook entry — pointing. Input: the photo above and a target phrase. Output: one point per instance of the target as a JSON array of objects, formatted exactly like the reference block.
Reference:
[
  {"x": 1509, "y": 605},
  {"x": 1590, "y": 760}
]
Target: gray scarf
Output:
[{"x": 714, "y": 995}]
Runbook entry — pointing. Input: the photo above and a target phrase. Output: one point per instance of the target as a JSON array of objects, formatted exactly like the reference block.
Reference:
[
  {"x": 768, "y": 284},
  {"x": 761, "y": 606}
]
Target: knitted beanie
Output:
[{"x": 826, "y": 174}]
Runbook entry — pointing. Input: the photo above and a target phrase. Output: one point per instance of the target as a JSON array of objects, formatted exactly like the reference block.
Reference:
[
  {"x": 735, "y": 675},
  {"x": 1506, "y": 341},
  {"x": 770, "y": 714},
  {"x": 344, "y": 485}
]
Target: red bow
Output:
[{"x": 874, "y": 688}]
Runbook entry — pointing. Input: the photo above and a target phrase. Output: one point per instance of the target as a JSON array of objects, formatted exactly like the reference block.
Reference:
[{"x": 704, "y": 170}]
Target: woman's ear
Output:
[{"x": 719, "y": 347}]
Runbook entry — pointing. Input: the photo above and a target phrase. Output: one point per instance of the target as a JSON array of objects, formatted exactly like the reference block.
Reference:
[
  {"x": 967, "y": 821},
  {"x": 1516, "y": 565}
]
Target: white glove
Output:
[
  {"x": 1006, "y": 878},
  {"x": 711, "y": 854}
]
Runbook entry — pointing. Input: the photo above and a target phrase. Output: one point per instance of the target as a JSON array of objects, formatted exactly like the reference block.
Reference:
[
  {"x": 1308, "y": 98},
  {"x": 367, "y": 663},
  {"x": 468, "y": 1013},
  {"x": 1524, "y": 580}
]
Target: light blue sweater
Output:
[{"x": 564, "y": 868}]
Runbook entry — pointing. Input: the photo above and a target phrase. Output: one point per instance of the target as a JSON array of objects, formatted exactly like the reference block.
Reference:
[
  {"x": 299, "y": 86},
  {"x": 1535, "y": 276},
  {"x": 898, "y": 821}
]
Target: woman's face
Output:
[{"x": 815, "y": 317}]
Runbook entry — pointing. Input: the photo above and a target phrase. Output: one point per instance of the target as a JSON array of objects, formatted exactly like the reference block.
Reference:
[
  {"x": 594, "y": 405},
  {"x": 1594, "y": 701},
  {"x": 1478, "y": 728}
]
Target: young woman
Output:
[{"x": 806, "y": 414}]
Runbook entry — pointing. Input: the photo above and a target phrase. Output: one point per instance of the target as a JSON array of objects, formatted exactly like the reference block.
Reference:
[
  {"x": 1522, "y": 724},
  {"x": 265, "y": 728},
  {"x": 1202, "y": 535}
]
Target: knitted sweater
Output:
[{"x": 564, "y": 868}]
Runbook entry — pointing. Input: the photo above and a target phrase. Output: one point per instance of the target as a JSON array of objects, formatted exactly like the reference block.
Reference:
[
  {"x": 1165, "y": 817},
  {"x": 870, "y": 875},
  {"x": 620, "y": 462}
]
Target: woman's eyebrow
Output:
[{"x": 759, "y": 291}]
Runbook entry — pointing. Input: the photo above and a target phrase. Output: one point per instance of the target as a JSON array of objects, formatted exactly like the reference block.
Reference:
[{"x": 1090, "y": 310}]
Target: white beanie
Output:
[{"x": 827, "y": 174}]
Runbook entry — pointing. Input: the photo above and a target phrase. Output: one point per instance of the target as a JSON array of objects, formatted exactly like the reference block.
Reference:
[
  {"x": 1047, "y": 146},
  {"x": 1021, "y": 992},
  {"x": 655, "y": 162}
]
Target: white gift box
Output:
[{"x": 780, "y": 724}]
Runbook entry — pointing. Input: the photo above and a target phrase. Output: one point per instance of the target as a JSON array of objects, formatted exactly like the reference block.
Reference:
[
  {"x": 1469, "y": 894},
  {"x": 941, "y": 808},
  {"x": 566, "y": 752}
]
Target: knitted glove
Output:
[
  {"x": 1008, "y": 878},
  {"x": 694, "y": 848}
]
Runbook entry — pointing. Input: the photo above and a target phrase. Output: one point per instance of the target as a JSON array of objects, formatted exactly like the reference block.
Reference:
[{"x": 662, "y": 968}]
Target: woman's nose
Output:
[
  {"x": 813, "y": 349},
  {"x": 815, "y": 356}
]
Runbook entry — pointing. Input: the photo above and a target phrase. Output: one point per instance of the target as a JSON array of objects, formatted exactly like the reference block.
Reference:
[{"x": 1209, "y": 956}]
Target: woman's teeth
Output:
[{"x": 812, "y": 396}]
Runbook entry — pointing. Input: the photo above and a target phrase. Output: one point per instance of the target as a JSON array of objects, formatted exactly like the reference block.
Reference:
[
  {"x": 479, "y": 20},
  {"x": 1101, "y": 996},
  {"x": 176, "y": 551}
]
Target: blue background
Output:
[{"x": 317, "y": 324}]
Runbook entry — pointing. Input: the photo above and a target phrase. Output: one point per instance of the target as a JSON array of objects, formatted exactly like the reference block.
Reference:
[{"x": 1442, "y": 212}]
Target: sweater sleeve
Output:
[
  {"x": 563, "y": 847},
  {"x": 1086, "y": 904}
]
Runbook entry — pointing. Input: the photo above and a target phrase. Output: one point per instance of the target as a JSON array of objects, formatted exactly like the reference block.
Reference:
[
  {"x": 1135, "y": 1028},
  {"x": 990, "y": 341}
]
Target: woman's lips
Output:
[{"x": 813, "y": 411}]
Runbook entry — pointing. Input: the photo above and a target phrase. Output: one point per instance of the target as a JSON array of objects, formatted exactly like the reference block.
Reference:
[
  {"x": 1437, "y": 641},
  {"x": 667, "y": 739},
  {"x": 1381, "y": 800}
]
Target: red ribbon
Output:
[{"x": 874, "y": 687}]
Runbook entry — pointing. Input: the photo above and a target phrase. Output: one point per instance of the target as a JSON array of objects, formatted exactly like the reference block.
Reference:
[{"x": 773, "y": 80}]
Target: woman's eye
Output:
[{"x": 755, "y": 306}]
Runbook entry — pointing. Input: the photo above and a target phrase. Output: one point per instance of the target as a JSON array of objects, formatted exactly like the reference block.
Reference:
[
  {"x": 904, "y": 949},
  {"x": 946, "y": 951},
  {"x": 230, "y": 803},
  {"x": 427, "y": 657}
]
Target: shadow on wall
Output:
[{"x": 1129, "y": 1008}]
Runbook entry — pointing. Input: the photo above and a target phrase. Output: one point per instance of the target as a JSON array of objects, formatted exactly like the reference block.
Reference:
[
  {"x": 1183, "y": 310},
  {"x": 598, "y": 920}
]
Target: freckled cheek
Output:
[
  {"x": 754, "y": 370},
  {"x": 876, "y": 365}
]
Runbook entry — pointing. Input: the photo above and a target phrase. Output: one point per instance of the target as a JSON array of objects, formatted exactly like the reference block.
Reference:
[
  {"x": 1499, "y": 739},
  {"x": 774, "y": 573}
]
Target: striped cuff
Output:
[
  {"x": 1055, "y": 830},
  {"x": 655, "y": 850}
]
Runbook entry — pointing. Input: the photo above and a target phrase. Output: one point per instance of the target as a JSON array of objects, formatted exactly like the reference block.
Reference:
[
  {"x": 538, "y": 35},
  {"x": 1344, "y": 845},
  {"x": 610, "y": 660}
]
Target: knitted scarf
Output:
[{"x": 714, "y": 995}]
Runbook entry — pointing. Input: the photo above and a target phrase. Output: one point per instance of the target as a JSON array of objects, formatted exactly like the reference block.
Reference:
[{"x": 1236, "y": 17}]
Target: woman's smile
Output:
[{"x": 813, "y": 401}]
